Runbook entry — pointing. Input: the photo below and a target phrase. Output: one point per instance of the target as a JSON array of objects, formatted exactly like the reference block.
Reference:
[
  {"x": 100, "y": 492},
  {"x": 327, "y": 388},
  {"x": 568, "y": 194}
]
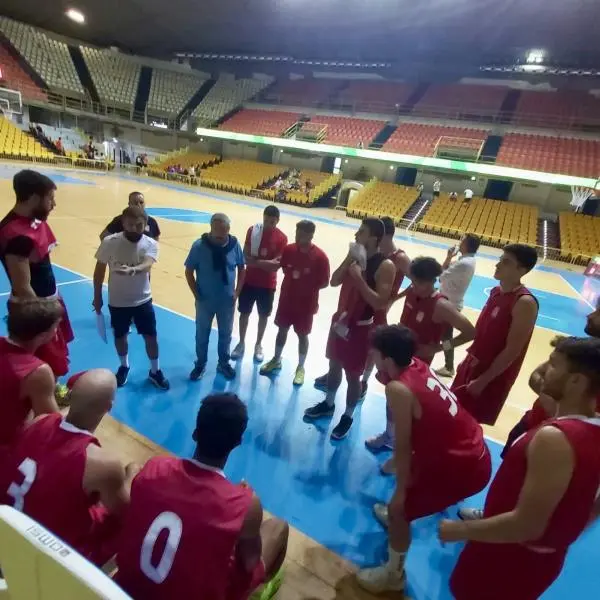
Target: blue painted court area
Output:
[{"x": 324, "y": 489}]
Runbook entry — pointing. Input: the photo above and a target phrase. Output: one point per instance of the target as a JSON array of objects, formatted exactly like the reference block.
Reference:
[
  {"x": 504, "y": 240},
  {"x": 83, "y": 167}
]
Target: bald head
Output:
[{"x": 91, "y": 398}]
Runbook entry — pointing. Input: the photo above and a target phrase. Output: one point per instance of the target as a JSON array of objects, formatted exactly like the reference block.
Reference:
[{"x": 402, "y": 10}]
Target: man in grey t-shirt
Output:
[
  {"x": 129, "y": 256},
  {"x": 454, "y": 282}
]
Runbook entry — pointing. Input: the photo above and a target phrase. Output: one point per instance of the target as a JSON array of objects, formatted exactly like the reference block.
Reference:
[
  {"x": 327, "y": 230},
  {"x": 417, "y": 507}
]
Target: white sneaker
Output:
[
  {"x": 380, "y": 442},
  {"x": 470, "y": 514},
  {"x": 258, "y": 353},
  {"x": 444, "y": 372},
  {"x": 238, "y": 352},
  {"x": 381, "y": 579},
  {"x": 380, "y": 511}
]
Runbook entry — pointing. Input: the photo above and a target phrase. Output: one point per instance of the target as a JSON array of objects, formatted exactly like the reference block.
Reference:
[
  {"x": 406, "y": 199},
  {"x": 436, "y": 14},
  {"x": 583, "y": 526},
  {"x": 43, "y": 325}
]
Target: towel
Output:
[
  {"x": 255, "y": 239},
  {"x": 219, "y": 254}
]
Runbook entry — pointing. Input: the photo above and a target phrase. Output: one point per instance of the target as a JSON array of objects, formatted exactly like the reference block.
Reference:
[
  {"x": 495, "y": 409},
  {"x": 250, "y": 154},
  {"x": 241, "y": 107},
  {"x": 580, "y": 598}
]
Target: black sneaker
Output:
[
  {"x": 197, "y": 372},
  {"x": 340, "y": 431},
  {"x": 321, "y": 383},
  {"x": 319, "y": 410},
  {"x": 226, "y": 370},
  {"x": 159, "y": 380},
  {"x": 122, "y": 375}
]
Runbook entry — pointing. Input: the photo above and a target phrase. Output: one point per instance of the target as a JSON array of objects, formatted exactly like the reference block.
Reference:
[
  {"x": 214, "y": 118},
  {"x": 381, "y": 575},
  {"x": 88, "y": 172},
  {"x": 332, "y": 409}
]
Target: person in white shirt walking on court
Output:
[
  {"x": 130, "y": 256},
  {"x": 454, "y": 282}
]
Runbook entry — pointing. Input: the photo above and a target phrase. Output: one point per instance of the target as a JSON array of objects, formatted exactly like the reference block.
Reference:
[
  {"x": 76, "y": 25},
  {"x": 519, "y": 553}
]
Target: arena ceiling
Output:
[{"x": 475, "y": 31}]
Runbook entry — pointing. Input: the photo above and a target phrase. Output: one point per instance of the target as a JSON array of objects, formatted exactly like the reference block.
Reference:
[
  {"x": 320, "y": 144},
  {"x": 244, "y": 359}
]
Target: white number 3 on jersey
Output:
[
  {"x": 18, "y": 491},
  {"x": 435, "y": 385}
]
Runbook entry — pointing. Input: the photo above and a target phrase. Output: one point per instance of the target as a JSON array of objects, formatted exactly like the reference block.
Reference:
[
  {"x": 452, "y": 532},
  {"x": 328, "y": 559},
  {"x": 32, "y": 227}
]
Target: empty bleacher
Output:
[
  {"x": 170, "y": 91},
  {"x": 461, "y": 100},
  {"x": 49, "y": 57},
  {"x": 495, "y": 221},
  {"x": 14, "y": 143},
  {"x": 375, "y": 96},
  {"x": 345, "y": 131},
  {"x": 560, "y": 108},
  {"x": 227, "y": 93},
  {"x": 307, "y": 91},
  {"x": 379, "y": 199},
  {"x": 260, "y": 122},
  {"x": 15, "y": 78},
  {"x": 115, "y": 75},
  {"x": 579, "y": 236},
  {"x": 422, "y": 140},
  {"x": 240, "y": 176},
  {"x": 570, "y": 156}
]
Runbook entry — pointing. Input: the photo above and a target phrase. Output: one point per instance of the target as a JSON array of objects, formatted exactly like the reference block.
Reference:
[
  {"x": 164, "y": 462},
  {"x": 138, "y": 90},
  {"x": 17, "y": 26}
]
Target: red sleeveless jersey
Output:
[
  {"x": 417, "y": 315},
  {"x": 572, "y": 514},
  {"x": 181, "y": 531},
  {"x": 380, "y": 315},
  {"x": 445, "y": 431},
  {"x": 537, "y": 414},
  {"x": 46, "y": 480},
  {"x": 15, "y": 365}
]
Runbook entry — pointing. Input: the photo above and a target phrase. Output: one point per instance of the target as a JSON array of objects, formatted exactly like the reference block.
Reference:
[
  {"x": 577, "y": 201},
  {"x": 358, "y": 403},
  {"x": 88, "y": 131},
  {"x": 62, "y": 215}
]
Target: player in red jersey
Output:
[
  {"x": 402, "y": 263},
  {"x": 441, "y": 457},
  {"x": 544, "y": 494},
  {"x": 27, "y": 382},
  {"x": 365, "y": 288},
  {"x": 26, "y": 241},
  {"x": 62, "y": 478},
  {"x": 191, "y": 533},
  {"x": 502, "y": 335},
  {"x": 428, "y": 315},
  {"x": 262, "y": 249},
  {"x": 305, "y": 273}
]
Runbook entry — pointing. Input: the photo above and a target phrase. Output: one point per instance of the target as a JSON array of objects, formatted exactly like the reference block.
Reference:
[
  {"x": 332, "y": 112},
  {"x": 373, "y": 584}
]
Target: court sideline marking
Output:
[{"x": 80, "y": 280}]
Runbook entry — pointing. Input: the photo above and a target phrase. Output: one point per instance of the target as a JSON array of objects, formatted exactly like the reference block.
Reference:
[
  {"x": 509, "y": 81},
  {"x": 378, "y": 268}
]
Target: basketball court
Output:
[{"x": 324, "y": 489}]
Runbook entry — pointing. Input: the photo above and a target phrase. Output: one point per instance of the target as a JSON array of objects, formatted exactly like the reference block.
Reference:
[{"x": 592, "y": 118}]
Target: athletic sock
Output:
[
  {"x": 367, "y": 374},
  {"x": 154, "y": 365},
  {"x": 278, "y": 352},
  {"x": 395, "y": 559},
  {"x": 124, "y": 360},
  {"x": 301, "y": 360},
  {"x": 330, "y": 398},
  {"x": 349, "y": 411}
]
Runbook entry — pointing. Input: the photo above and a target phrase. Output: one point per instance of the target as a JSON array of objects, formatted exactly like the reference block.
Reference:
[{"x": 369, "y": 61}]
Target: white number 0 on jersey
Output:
[
  {"x": 172, "y": 523},
  {"x": 18, "y": 491},
  {"x": 435, "y": 385}
]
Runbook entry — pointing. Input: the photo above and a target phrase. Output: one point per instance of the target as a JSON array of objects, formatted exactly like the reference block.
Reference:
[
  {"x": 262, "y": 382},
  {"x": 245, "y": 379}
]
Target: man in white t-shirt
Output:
[
  {"x": 437, "y": 186},
  {"x": 468, "y": 194},
  {"x": 454, "y": 282},
  {"x": 130, "y": 256}
]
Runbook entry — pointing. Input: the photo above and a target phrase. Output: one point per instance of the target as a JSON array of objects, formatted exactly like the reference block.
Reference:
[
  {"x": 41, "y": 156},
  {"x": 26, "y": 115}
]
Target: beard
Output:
[
  {"x": 592, "y": 330},
  {"x": 40, "y": 214}
]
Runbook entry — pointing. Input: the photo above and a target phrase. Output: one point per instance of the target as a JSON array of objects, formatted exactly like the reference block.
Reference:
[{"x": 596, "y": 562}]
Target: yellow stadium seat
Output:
[
  {"x": 37, "y": 565},
  {"x": 380, "y": 199}
]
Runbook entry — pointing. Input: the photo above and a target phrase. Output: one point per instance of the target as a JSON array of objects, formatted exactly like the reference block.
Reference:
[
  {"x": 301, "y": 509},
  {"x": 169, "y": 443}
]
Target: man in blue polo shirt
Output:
[{"x": 210, "y": 270}]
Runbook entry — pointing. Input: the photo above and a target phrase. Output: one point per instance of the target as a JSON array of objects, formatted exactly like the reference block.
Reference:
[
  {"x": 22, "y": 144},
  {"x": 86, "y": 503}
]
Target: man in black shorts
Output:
[
  {"x": 116, "y": 225},
  {"x": 130, "y": 255}
]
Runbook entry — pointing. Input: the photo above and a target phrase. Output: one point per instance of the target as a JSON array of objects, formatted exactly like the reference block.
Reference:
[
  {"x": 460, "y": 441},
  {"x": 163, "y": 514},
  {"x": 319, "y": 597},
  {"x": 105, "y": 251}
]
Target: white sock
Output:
[
  {"x": 301, "y": 360},
  {"x": 154, "y": 365},
  {"x": 349, "y": 411},
  {"x": 396, "y": 559},
  {"x": 368, "y": 372},
  {"x": 278, "y": 352},
  {"x": 124, "y": 360}
]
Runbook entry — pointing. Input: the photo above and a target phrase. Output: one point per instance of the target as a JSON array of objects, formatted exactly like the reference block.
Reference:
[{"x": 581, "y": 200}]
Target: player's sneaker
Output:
[
  {"x": 268, "y": 590},
  {"x": 321, "y": 383},
  {"x": 272, "y": 367},
  {"x": 380, "y": 510},
  {"x": 388, "y": 467},
  {"x": 340, "y": 431},
  {"x": 258, "y": 353},
  {"x": 61, "y": 393},
  {"x": 122, "y": 375},
  {"x": 380, "y": 443},
  {"x": 226, "y": 370},
  {"x": 159, "y": 380},
  {"x": 238, "y": 352},
  {"x": 197, "y": 372},
  {"x": 381, "y": 579},
  {"x": 470, "y": 514},
  {"x": 299, "y": 376},
  {"x": 444, "y": 372},
  {"x": 319, "y": 410}
]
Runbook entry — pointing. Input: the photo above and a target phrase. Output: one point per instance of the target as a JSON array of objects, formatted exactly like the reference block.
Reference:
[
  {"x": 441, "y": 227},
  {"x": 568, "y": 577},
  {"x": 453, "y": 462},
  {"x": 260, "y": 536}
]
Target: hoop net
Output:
[{"x": 578, "y": 196}]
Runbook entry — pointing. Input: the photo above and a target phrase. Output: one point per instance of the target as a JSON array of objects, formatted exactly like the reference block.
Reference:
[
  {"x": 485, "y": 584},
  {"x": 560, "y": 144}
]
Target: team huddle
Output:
[{"x": 177, "y": 525}]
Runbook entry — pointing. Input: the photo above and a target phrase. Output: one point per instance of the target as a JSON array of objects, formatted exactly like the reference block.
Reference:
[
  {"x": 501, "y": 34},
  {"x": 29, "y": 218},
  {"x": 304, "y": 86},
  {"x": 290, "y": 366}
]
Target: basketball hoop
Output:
[{"x": 578, "y": 196}]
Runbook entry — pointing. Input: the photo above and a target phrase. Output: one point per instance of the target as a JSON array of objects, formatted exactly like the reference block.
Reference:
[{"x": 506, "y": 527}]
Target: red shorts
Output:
[
  {"x": 101, "y": 543},
  {"x": 447, "y": 483},
  {"x": 55, "y": 353},
  {"x": 487, "y": 406},
  {"x": 289, "y": 316},
  {"x": 503, "y": 571},
  {"x": 351, "y": 352}
]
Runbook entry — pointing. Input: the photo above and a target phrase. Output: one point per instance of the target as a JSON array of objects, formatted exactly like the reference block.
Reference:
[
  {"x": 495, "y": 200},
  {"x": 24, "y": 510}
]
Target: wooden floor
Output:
[{"x": 313, "y": 572}]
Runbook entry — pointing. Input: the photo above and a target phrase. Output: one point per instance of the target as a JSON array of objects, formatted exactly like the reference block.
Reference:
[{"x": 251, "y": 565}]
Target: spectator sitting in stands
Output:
[
  {"x": 453, "y": 196},
  {"x": 59, "y": 146}
]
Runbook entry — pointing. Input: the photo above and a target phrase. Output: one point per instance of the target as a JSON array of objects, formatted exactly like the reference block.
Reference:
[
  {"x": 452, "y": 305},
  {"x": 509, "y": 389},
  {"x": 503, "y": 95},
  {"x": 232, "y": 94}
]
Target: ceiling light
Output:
[{"x": 75, "y": 15}]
